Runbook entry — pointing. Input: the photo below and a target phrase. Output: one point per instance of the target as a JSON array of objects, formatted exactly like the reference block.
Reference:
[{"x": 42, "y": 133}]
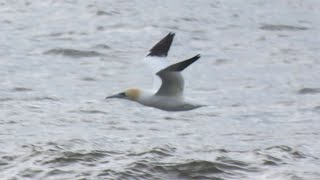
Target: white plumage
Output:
[{"x": 169, "y": 96}]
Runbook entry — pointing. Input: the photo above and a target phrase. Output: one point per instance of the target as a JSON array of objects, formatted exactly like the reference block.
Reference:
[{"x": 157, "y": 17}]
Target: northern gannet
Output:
[{"x": 169, "y": 97}]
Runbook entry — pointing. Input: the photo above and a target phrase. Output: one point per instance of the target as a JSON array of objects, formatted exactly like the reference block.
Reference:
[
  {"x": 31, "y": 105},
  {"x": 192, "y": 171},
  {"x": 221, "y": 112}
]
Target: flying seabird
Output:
[{"x": 169, "y": 96}]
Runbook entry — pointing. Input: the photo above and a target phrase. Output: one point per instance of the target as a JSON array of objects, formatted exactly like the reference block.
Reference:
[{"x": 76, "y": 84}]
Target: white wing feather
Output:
[
  {"x": 157, "y": 58},
  {"x": 156, "y": 64}
]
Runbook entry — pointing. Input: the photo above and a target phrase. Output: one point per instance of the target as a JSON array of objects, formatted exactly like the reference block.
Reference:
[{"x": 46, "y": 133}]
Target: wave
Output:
[{"x": 73, "y": 53}]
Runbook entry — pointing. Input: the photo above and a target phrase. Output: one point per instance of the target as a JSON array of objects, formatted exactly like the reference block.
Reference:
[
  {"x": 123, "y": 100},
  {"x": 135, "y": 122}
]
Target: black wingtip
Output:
[
  {"x": 162, "y": 48},
  {"x": 196, "y": 57},
  {"x": 180, "y": 66},
  {"x": 184, "y": 64}
]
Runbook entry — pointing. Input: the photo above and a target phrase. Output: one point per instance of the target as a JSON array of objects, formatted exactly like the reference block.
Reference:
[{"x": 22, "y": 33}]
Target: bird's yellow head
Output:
[{"x": 131, "y": 94}]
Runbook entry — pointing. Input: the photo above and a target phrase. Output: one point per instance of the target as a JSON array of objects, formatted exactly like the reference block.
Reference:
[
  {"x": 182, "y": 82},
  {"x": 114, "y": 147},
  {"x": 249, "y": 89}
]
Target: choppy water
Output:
[{"x": 259, "y": 72}]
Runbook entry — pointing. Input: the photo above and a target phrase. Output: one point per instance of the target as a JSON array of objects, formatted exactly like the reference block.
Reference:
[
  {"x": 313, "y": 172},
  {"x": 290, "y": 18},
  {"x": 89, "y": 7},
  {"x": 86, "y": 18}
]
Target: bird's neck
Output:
[{"x": 145, "y": 97}]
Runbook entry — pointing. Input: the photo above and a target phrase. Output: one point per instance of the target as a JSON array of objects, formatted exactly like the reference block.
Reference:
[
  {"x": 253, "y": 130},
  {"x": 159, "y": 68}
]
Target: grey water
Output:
[{"x": 258, "y": 74}]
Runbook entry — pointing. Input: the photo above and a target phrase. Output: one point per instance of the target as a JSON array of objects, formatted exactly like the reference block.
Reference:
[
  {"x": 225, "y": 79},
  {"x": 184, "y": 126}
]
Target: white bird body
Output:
[
  {"x": 169, "y": 96},
  {"x": 167, "y": 103}
]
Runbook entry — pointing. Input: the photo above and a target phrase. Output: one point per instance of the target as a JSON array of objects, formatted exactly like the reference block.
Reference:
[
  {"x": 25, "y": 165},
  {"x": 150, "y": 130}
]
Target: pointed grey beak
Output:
[{"x": 120, "y": 95}]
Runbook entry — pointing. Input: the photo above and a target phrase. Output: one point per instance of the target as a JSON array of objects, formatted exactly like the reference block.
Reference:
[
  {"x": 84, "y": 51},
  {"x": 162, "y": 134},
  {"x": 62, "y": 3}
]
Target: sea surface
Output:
[{"x": 259, "y": 74}]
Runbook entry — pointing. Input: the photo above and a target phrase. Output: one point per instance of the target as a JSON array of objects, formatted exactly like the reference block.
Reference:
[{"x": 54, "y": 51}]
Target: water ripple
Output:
[
  {"x": 21, "y": 89},
  {"x": 67, "y": 158},
  {"x": 167, "y": 151},
  {"x": 281, "y": 27},
  {"x": 309, "y": 91},
  {"x": 74, "y": 53},
  {"x": 193, "y": 169}
]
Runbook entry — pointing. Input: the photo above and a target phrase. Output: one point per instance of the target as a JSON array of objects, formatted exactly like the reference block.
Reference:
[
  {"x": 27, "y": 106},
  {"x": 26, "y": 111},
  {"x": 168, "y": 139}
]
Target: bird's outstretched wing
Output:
[
  {"x": 157, "y": 57},
  {"x": 162, "y": 48},
  {"x": 172, "y": 80}
]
